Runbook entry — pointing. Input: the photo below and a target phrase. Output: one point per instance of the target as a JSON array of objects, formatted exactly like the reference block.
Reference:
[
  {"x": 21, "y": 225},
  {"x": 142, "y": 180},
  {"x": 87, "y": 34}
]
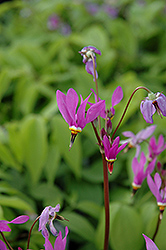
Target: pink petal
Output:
[
  {"x": 47, "y": 244},
  {"x": 72, "y": 102},
  {"x": 94, "y": 111},
  {"x": 61, "y": 101},
  {"x": 153, "y": 188},
  {"x": 150, "y": 245},
  {"x": 81, "y": 121},
  {"x": 20, "y": 219},
  {"x": 3, "y": 245},
  {"x": 117, "y": 96}
]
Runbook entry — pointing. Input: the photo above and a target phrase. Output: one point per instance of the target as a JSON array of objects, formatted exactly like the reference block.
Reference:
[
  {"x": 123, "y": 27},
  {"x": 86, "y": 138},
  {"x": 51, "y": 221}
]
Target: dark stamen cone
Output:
[
  {"x": 134, "y": 192},
  {"x": 110, "y": 167},
  {"x": 73, "y": 136}
]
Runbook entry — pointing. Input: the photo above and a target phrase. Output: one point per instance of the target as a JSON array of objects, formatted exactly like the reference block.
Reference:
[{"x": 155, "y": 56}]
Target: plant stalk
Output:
[
  {"x": 7, "y": 243},
  {"x": 29, "y": 236}
]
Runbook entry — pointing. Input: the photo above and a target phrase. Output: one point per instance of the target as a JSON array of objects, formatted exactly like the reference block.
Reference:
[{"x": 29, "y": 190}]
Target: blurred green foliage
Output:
[{"x": 37, "y": 168}]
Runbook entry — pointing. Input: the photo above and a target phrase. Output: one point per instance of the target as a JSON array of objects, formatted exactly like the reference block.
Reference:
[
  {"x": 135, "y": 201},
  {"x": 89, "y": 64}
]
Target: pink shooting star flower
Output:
[
  {"x": 151, "y": 104},
  {"x": 88, "y": 53},
  {"x": 111, "y": 151},
  {"x": 59, "y": 244},
  {"x": 139, "y": 173},
  {"x": 156, "y": 148},
  {"x": 150, "y": 245},
  {"x": 67, "y": 105},
  {"x": 158, "y": 190},
  {"x": 135, "y": 140}
]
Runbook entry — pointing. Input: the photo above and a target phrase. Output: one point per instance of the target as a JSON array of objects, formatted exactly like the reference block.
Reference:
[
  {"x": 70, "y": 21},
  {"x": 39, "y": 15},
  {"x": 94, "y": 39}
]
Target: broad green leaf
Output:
[
  {"x": 126, "y": 229},
  {"x": 52, "y": 162},
  {"x": 4, "y": 82},
  {"x": 90, "y": 208},
  {"x": 79, "y": 225},
  {"x": 61, "y": 136},
  {"x": 7, "y": 158},
  {"x": 15, "y": 202},
  {"x": 34, "y": 138}
]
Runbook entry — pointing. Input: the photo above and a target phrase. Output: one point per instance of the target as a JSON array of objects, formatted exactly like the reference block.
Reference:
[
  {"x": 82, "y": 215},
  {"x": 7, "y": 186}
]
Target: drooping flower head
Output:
[
  {"x": 111, "y": 151},
  {"x": 156, "y": 148},
  {"x": 47, "y": 216},
  {"x": 138, "y": 170},
  {"x": 150, "y": 245},
  {"x": 135, "y": 140},
  {"x": 88, "y": 53},
  {"x": 18, "y": 220},
  {"x": 158, "y": 190},
  {"x": 151, "y": 104},
  {"x": 59, "y": 244},
  {"x": 77, "y": 120}
]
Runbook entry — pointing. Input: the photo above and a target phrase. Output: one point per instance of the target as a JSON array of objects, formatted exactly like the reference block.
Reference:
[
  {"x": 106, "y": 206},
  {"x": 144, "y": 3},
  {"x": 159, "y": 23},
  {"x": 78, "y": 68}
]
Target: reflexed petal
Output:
[
  {"x": 147, "y": 110},
  {"x": 150, "y": 245},
  {"x": 161, "y": 101},
  {"x": 150, "y": 167},
  {"x": 60, "y": 243},
  {"x": 20, "y": 219},
  {"x": 4, "y": 227},
  {"x": 143, "y": 159},
  {"x": 138, "y": 148},
  {"x": 146, "y": 132},
  {"x": 72, "y": 102},
  {"x": 3, "y": 245},
  {"x": 47, "y": 244},
  {"x": 135, "y": 165},
  {"x": 81, "y": 121},
  {"x": 89, "y": 68},
  {"x": 106, "y": 144},
  {"x": 157, "y": 180},
  {"x": 61, "y": 101},
  {"x": 129, "y": 134},
  {"x": 117, "y": 96},
  {"x": 94, "y": 111},
  {"x": 52, "y": 228},
  {"x": 44, "y": 218},
  {"x": 121, "y": 147},
  {"x": 153, "y": 188},
  {"x": 116, "y": 141}
]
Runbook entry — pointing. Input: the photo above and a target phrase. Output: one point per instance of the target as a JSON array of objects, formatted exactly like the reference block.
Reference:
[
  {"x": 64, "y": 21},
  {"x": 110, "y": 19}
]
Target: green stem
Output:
[
  {"x": 127, "y": 105},
  {"x": 29, "y": 236},
  {"x": 7, "y": 243}
]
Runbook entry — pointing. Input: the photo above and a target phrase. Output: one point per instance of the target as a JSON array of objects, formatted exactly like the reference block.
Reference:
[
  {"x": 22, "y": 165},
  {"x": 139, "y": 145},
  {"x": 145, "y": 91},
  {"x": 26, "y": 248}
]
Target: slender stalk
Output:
[
  {"x": 106, "y": 203},
  {"x": 158, "y": 224},
  {"x": 127, "y": 105},
  {"x": 29, "y": 236},
  {"x": 97, "y": 90},
  {"x": 7, "y": 243}
]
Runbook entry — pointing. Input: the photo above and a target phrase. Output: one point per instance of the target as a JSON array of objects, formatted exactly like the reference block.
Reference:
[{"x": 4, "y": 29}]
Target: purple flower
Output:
[
  {"x": 156, "y": 148},
  {"x": 18, "y": 220},
  {"x": 138, "y": 169},
  {"x": 158, "y": 190},
  {"x": 92, "y": 8},
  {"x": 59, "y": 244},
  {"x": 111, "y": 11},
  {"x": 88, "y": 53},
  {"x": 135, "y": 140},
  {"x": 77, "y": 121},
  {"x": 116, "y": 98},
  {"x": 53, "y": 22},
  {"x": 151, "y": 104},
  {"x": 150, "y": 245},
  {"x": 47, "y": 217},
  {"x": 111, "y": 151}
]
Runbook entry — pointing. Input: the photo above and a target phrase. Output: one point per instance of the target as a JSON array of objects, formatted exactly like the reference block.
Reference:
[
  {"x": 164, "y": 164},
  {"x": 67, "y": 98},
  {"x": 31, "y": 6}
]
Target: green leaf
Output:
[
  {"x": 126, "y": 229},
  {"x": 4, "y": 82},
  {"x": 34, "y": 137},
  {"x": 90, "y": 208},
  {"x": 61, "y": 136},
  {"x": 15, "y": 202},
  {"x": 79, "y": 225}
]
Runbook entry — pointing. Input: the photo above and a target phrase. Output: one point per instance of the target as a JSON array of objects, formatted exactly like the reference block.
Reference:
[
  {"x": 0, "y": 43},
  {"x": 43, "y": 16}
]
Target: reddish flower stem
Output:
[
  {"x": 106, "y": 203},
  {"x": 158, "y": 224},
  {"x": 127, "y": 105},
  {"x": 7, "y": 243},
  {"x": 29, "y": 236}
]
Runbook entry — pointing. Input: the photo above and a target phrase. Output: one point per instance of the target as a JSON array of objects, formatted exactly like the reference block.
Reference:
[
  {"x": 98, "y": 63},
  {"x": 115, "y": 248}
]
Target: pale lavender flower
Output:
[
  {"x": 92, "y": 8},
  {"x": 18, "y": 220},
  {"x": 65, "y": 29},
  {"x": 135, "y": 140},
  {"x": 138, "y": 170},
  {"x": 88, "y": 53},
  {"x": 59, "y": 244},
  {"x": 3, "y": 245},
  {"x": 110, "y": 10},
  {"x": 47, "y": 216},
  {"x": 67, "y": 105},
  {"x": 53, "y": 22},
  {"x": 111, "y": 151},
  {"x": 151, "y": 104},
  {"x": 158, "y": 190},
  {"x": 150, "y": 245},
  {"x": 156, "y": 148}
]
